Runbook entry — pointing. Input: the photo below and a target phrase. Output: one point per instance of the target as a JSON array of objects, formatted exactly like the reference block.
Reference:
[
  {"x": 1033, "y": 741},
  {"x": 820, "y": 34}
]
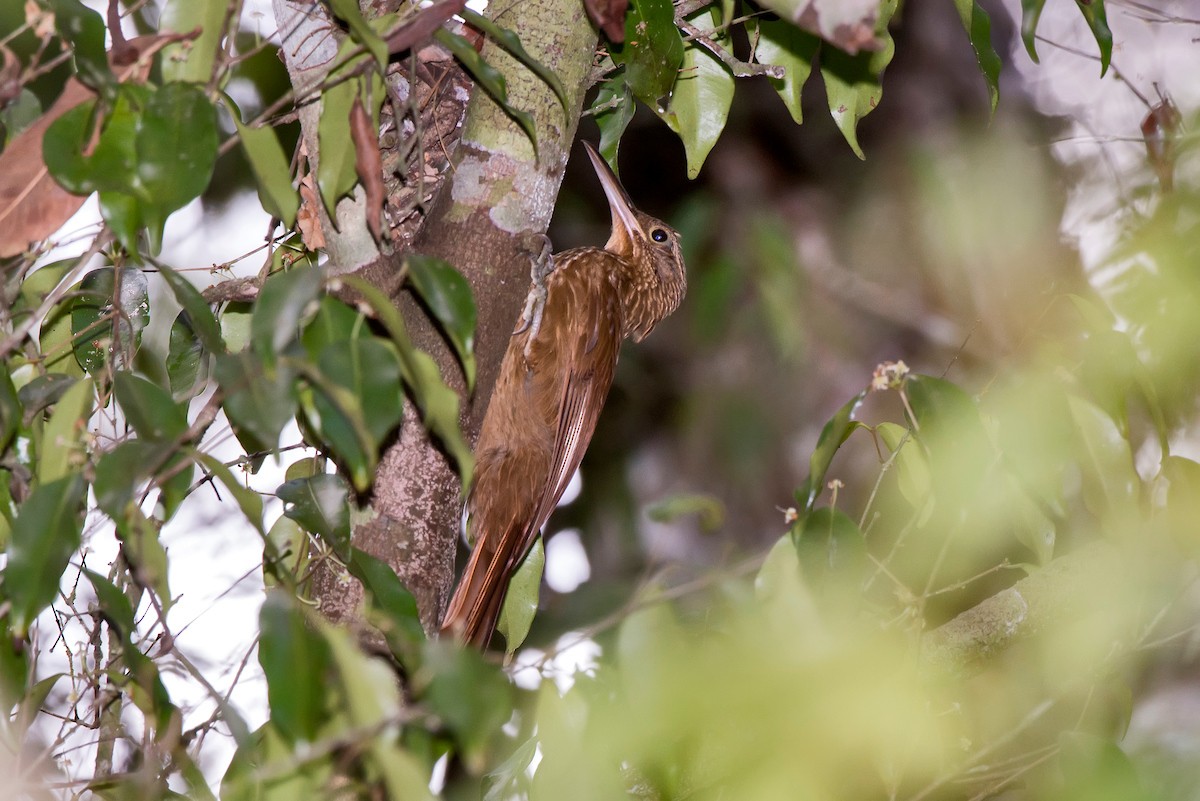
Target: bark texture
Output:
[
  {"x": 309, "y": 47},
  {"x": 484, "y": 219}
]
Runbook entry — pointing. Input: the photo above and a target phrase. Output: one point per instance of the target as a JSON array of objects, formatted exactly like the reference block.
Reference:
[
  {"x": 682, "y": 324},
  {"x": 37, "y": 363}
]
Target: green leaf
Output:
[
  {"x": 488, "y": 77},
  {"x": 271, "y": 167},
  {"x": 836, "y": 431},
  {"x": 125, "y": 215},
  {"x": 359, "y": 401},
  {"x": 114, "y": 605},
  {"x": 360, "y": 30},
  {"x": 404, "y": 632},
  {"x": 21, "y": 112},
  {"x": 1097, "y": 19},
  {"x": 782, "y": 44},
  {"x": 235, "y": 325},
  {"x": 448, "y": 295},
  {"x": 1031, "y": 13},
  {"x": 336, "y": 420},
  {"x": 265, "y": 768},
  {"x": 92, "y": 320},
  {"x": 979, "y": 29},
  {"x": 64, "y": 144},
  {"x": 699, "y": 104},
  {"x": 512, "y": 44},
  {"x": 439, "y": 411},
  {"x": 512, "y": 773},
  {"x": 104, "y": 321},
  {"x": 1095, "y": 767},
  {"x": 303, "y": 468},
  {"x": 912, "y": 468},
  {"x": 1110, "y": 481},
  {"x": 10, "y": 409},
  {"x": 45, "y": 534},
  {"x": 185, "y": 354},
  {"x": 144, "y": 552},
  {"x": 336, "y": 175},
  {"x": 40, "y": 283},
  {"x": 122, "y": 470},
  {"x": 613, "y": 111},
  {"x": 259, "y": 399},
  {"x": 438, "y": 403},
  {"x": 652, "y": 51},
  {"x": 371, "y": 692},
  {"x": 853, "y": 83},
  {"x": 192, "y": 62},
  {"x": 521, "y": 600},
  {"x": 285, "y": 553},
  {"x": 320, "y": 505},
  {"x": 84, "y": 29},
  {"x": 44, "y": 391},
  {"x": 200, "y": 315},
  {"x": 707, "y": 509},
  {"x": 14, "y": 671},
  {"x": 155, "y": 153},
  {"x": 372, "y": 698},
  {"x": 175, "y": 481},
  {"x": 282, "y": 305},
  {"x": 296, "y": 662},
  {"x": 249, "y": 501},
  {"x": 110, "y": 165},
  {"x": 57, "y": 344},
  {"x": 368, "y": 369},
  {"x": 8, "y": 509},
  {"x": 177, "y": 150},
  {"x": 951, "y": 430},
  {"x": 1031, "y": 526},
  {"x": 833, "y": 557},
  {"x": 31, "y": 704},
  {"x": 333, "y": 322},
  {"x": 62, "y": 443},
  {"x": 472, "y": 697},
  {"x": 149, "y": 409}
]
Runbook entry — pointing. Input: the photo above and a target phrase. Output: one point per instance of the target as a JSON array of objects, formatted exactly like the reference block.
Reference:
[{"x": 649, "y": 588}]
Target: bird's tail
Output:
[{"x": 475, "y": 606}]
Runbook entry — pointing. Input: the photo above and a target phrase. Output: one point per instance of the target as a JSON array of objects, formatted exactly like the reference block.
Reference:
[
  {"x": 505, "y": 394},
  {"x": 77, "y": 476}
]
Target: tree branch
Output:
[
  {"x": 494, "y": 195},
  {"x": 1067, "y": 590}
]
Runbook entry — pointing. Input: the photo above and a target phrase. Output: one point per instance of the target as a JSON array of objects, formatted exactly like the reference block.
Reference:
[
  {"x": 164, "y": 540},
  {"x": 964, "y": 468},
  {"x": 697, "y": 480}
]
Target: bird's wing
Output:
[
  {"x": 566, "y": 372},
  {"x": 586, "y": 346}
]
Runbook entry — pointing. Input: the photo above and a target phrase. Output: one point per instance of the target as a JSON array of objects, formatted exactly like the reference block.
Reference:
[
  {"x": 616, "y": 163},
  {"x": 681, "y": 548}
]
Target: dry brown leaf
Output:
[
  {"x": 32, "y": 205},
  {"x": 609, "y": 16},
  {"x": 308, "y": 218},
  {"x": 368, "y": 163},
  {"x": 422, "y": 25}
]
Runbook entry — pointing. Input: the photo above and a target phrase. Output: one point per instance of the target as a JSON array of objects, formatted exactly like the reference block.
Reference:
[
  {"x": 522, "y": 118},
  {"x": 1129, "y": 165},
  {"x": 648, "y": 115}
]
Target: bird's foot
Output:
[{"x": 541, "y": 265}]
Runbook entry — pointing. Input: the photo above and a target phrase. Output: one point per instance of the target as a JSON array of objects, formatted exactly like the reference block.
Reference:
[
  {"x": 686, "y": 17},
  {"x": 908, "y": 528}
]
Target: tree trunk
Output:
[{"x": 495, "y": 199}]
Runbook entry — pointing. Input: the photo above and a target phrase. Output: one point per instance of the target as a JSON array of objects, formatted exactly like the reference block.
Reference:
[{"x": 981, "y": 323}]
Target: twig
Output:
[{"x": 740, "y": 69}]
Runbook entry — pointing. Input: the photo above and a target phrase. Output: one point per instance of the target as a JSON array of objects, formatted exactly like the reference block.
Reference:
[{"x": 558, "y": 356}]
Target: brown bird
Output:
[{"x": 553, "y": 382}]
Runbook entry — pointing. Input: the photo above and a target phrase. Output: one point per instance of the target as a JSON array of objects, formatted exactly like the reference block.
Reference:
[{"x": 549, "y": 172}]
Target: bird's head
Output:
[{"x": 649, "y": 246}]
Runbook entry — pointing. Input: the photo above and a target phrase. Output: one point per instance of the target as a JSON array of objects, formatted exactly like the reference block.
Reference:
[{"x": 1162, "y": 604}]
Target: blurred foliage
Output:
[{"x": 985, "y": 557}]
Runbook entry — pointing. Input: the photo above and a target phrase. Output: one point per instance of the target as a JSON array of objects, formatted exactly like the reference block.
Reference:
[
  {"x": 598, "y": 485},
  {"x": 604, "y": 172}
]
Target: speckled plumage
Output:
[{"x": 552, "y": 385}]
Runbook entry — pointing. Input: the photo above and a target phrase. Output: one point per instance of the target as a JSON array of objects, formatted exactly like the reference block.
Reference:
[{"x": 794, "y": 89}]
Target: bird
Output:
[{"x": 554, "y": 378}]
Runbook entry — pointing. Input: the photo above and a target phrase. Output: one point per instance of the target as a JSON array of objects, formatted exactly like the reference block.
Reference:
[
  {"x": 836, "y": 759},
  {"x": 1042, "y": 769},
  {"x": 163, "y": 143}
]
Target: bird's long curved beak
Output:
[{"x": 625, "y": 227}]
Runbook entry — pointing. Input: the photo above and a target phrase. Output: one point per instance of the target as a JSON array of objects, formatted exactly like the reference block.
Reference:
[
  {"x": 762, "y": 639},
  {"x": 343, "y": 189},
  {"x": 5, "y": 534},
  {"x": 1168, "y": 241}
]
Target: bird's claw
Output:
[{"x": 541, "y": 265}]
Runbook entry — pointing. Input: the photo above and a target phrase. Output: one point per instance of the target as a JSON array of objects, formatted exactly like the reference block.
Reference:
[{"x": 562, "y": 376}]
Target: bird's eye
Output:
[{"x": 658, "y": 235}]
